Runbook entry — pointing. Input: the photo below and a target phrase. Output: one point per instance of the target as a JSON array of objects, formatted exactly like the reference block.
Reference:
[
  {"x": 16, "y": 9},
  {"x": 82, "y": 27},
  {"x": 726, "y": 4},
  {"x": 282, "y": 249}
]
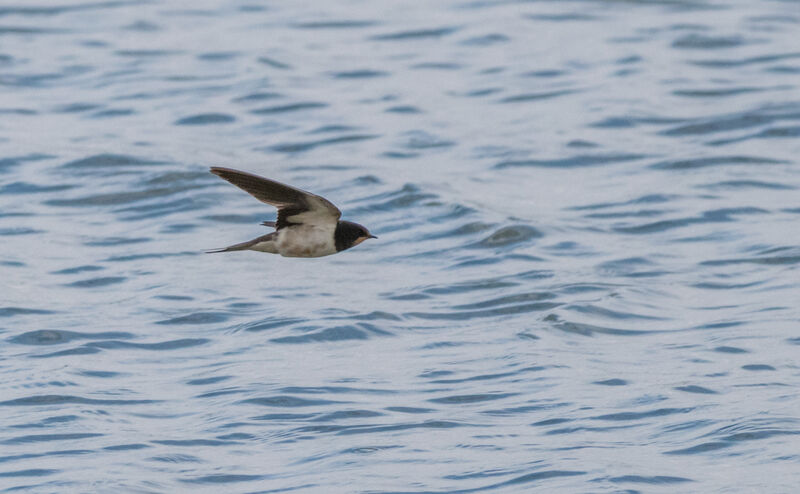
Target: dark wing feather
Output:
[
  {"x": 263, "y": 189},
  {"x": 288, "y": 212},
  {"x": 290, "y": 201}
]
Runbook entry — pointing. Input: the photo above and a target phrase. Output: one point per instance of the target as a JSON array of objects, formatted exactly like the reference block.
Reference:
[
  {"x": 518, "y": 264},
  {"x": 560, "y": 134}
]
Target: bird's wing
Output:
[{"x": 295, "y": 206}]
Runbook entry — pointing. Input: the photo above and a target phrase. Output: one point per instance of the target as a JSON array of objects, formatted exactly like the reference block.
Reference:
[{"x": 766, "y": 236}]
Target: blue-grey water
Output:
[{"x": 587, "y": 277}]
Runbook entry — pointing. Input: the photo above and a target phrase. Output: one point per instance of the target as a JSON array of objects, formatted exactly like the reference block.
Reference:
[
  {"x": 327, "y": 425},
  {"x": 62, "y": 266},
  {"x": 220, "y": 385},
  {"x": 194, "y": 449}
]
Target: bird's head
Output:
[{"x": 349, "y": 234}]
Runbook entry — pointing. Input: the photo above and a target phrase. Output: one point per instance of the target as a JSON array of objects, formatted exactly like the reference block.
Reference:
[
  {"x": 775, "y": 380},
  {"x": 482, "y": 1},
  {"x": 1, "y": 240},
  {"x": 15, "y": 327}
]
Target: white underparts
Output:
[{"x": 300, "y": 241}]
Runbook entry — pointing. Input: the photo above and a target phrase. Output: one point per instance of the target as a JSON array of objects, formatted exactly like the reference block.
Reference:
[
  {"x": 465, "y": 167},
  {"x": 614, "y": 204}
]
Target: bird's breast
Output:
[{"x": 305, "y": 241}]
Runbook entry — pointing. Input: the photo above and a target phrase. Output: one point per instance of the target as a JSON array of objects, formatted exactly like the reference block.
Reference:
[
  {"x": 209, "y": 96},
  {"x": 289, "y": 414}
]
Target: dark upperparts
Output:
[
  {"x": 285, "y": 213},
  {"x": 347, "y": 233}
]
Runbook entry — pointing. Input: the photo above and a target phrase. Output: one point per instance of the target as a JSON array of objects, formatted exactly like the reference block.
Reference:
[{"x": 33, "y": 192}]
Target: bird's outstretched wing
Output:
[{"x": 295, "y": 206}]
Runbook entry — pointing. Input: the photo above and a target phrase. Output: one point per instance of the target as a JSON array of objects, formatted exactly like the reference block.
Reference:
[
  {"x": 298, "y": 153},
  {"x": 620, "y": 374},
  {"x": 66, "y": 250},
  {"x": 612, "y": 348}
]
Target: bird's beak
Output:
[{"x": 372, "y": 236}]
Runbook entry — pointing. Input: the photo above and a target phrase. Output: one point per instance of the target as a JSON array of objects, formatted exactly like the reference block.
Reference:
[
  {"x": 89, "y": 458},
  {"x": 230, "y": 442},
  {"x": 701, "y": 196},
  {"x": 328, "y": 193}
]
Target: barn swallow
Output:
[{"x": 307, "y": 225}]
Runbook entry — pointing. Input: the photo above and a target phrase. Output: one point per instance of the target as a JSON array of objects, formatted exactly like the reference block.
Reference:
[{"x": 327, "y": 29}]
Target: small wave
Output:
[
  {"x": 572, "y": 162},
  {"x": 591, "y": 329},
  {"x": 112, "y": 113},
  {"x": 612, "y": 382},
  {"x": 275, "y": 64},
  {"x": 420, "y": 34},
  {"x": 286, "y": 401},
  {"x": 160, "y": 346},
  {"x": 741, "y": 62},
  {"x": 731, "y": 122},
  {"x": 545, "y": 95},
  {"x": 715, "y": 161},
  {"x": 55, "y": 337},
  {"x": 256, "y": 97},
  {"x": 38, "y": 438},
  {"x": 110, "y": 162},
  {"x": 790, "y": 132},
  {"x": 695, "y": 41},
  {"x": 473, "y": 314},
  {"x": 22, "y": 311},
  {"x": 217, "y": 56},
  {"x": 194, "y": 443},
  {"x": 100, "y": 282},
  {"x": 628, "y": 416},
  {"x": 340, "y": 24},
  {"x": 49, "y": 400},
  {"x": 108, "y": 242},
  {"x": 485, "y": 40},
  {"x": 740, "y": 433},
  {"x": 467, "y": 399},
  {"x": 270, "y": 110},
  {"x": 11, "y": 162},
  {"x": 206, "y": 119},
  {"x": 748, "y": 184},
  {"x": 339, "y": 333},
  {"x": 222, "y": 478},
  {"x": 30, "y": 472},
  {"x": 691, "y": 388},
  {"x": 714, "y": 216},
  {"x": 29, "y": 188},
  {"x": 299, "y": 147},
  {"x": 654, "y": 480},
  {"x": 715, "y": 92},
  {"x": 359, "y": 74},
  {"x": 509, "y": 236},
  {"x": 404, "y": 109},
  {"x": 197, "y": 318},
  {"x": 785, "y": 256}
]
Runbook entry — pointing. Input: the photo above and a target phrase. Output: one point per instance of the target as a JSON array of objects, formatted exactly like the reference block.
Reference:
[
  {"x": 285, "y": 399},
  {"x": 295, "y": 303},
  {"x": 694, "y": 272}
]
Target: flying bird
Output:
[{"x": 307, "y": 225}]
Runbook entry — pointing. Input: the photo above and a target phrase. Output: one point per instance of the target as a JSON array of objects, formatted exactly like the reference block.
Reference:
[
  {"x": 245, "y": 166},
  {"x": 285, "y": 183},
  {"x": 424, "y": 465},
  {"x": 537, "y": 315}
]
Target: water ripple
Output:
[
  {"x": 419, "y": 34},
  {"x": 54, "y": 337},
  {"x": 587, "y": 246},
  {"x": 40, "y": 400},
  {"x": 573, "y": 162}
]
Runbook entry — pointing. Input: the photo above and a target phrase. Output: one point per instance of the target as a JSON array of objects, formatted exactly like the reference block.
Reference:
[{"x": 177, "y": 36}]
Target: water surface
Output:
[{"x": 586, "y": 278}]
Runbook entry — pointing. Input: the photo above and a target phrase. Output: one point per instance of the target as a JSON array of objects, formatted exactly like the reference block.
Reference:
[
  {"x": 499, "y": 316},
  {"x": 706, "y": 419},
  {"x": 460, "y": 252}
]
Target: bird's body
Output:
[
  {"x": 294, "y": 241},
  {"x": 307, "y": 226}
]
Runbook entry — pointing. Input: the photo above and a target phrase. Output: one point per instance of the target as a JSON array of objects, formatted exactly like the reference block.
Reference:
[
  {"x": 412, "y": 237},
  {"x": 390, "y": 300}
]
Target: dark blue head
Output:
[{"x": 349, "y": 234}]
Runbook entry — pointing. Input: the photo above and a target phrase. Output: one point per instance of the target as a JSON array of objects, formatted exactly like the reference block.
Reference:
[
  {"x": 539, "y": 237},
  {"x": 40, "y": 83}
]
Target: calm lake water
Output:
[{"x": 587, "y": 277}]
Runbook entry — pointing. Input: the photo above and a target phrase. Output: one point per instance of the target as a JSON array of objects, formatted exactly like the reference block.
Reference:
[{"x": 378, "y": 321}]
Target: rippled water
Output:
[{"x": 586, "y": 278}]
